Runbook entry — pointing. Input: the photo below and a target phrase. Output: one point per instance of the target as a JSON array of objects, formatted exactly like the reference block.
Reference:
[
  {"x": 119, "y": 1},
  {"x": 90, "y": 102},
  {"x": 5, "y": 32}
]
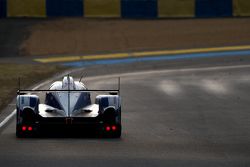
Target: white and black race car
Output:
[{"x": 68, "y": 109}]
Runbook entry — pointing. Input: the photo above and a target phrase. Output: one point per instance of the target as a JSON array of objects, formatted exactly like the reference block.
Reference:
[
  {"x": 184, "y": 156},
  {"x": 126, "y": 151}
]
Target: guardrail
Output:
[{"x": 124, "y": 8}]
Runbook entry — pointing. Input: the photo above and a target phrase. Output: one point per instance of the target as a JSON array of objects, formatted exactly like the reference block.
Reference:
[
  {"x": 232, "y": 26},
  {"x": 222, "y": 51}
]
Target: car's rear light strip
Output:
[
  {"x": 109, "y": 128},
  {"x": 27, "y": 128}
]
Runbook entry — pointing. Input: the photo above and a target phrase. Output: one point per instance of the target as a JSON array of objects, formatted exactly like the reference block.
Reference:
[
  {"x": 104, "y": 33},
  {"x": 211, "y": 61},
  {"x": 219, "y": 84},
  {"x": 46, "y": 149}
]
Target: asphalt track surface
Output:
[{"x": 175, "y": 113}]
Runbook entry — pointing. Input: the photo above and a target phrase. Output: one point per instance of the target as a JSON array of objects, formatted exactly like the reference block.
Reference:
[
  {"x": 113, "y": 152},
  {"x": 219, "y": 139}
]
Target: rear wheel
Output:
[
  {"x": 18, "y": 132},
  {"x": 117, "y": 134}
]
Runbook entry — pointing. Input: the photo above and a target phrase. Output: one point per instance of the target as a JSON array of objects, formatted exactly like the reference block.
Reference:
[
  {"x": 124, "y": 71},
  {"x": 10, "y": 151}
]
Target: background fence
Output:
[{"x": 125, "y": 8}]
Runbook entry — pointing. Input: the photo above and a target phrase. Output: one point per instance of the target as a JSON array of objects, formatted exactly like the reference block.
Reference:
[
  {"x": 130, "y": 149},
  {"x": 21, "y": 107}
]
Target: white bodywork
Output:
[
  {"x": 67, "y": 100},
  {"x": 69, "y": 103}
]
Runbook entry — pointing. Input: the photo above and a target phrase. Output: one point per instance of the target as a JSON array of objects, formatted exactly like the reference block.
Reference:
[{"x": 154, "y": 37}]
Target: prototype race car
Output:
[{"x": 67, "y": 109}]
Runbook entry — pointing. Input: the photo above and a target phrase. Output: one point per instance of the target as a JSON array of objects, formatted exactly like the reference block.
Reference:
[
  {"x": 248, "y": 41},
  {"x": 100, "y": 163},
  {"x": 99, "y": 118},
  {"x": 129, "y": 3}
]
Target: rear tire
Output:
[
  {"x": 118, "y": 133},
  {"x": 18, "y": 134}
]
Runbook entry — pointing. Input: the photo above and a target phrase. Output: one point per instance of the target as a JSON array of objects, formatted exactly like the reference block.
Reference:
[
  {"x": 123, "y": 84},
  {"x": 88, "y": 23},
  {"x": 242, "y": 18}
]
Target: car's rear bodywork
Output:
[{"x": 68, "y": 110}]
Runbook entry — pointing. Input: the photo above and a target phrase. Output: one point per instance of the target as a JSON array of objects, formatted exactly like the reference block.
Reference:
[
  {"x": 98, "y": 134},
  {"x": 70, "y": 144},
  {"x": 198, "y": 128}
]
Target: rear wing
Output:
[{"x": 111, "y": 91}]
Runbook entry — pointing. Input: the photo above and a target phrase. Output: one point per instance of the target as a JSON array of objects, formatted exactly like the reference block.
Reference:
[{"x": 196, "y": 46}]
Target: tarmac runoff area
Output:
[{"x": 185, "y": 112}]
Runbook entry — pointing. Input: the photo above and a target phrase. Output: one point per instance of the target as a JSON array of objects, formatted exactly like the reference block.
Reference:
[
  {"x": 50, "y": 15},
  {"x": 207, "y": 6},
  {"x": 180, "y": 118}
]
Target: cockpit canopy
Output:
[{"x": 67, "y": 83}]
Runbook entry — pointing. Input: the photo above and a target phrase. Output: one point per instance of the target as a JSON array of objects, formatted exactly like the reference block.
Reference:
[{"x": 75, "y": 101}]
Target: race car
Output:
[{"x": 68, "y": 110}]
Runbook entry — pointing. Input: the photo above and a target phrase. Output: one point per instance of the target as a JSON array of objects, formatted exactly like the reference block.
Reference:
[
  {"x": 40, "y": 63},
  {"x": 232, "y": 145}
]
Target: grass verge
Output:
[{"x": 30, "y": 75}]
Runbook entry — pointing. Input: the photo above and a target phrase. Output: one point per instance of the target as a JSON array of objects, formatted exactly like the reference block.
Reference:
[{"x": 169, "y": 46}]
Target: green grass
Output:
[{"x": 29, "y": 74}]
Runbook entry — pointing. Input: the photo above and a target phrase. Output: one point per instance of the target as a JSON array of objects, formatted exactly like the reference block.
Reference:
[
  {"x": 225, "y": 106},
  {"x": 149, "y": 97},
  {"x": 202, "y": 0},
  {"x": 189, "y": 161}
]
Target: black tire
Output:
[
  {"x": 109, "y": 116},
  {"x": 18, "y": 134},
  {"x": 118, "y": 133}
]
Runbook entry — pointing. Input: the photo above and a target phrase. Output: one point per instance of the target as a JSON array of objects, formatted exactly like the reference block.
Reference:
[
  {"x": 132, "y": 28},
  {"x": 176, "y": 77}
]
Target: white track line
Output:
[
  {"x": 167, "y": 71},
  {"x": 9, "y": 117}
]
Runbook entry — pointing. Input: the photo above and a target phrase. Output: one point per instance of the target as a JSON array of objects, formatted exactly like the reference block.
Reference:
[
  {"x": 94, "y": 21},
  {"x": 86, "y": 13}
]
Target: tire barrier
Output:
[
  {"x": 139, "y": 8},
  {"x": 3, "y": 8},
  {"x": 213, "y": 8},
  {"x": 102, "y": 8},
  {"x": 26, "y": 8},
  {"x": 241, "y": 8},
  {"x": 176, "y": 8},
  {"x": 64, "y": 8},
  {"x": 125, "y": 8}
]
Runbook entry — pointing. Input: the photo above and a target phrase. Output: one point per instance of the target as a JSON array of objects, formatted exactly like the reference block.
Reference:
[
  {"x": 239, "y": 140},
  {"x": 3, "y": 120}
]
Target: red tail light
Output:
[
  {"x": 114, "y": 127},
  {"x": 30, "y": 128},
  {"x": 108, "y": 128},
  {"x": 24, "y": 128}
]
